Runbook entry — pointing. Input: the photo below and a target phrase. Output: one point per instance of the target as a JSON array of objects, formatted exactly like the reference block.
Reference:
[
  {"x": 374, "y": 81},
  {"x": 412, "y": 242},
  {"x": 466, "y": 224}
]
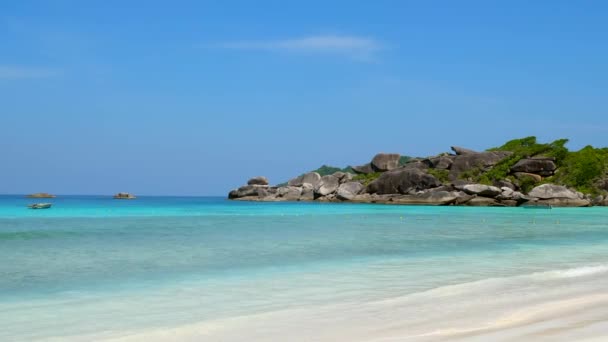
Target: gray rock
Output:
[
  {"x": 505, "y": 183},
  {"x": 440, "y": 162},
  {"x": 348, "y": 191},
  {"x": 428, "y": 198},
  {"x": 482, "y": 202},
  {"x": 482, "y": 190},
  {"x": 247, "y": 191},
  {"x": 289, "y": 193},
  {"x": 364, "y": 169},
  {"x": 308, "y": 192},
  {"x": 402, "y": 181},
  {"x": 566, "y": 202},
  {"x": 540, "y": 166},
  {"x": 260, "y": 180},
  {"x": 385, "y": 161},
  {"x": 462, "y": 151},
  {"x": 415, "y": 164},
  {"x": 482, "y": 161},
  {"x": 547, "y": 191},
  {"x": 328, "y": 185},
  {"x": 312, "y": 178}
]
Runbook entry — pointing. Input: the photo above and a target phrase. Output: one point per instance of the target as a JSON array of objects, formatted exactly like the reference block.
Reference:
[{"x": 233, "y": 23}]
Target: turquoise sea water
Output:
[{"x": 94, "y": 265}]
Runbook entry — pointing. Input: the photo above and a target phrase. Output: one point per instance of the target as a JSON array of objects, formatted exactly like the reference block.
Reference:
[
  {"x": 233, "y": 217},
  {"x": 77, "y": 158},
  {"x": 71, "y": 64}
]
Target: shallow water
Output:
[{"x": 94, "y": 265}]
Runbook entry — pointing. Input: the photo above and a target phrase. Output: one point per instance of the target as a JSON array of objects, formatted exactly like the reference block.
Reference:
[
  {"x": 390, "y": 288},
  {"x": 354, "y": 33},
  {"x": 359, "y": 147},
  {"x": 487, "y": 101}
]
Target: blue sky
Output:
[{"x": 193, "y": 97}]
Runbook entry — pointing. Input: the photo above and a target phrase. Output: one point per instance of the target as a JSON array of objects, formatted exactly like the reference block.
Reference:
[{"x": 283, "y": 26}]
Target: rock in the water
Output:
[
  {"x": 540, "y": 166},
  {"x": 260, "y": 180},
  {"x": 482, "y": 202},
  {"x": 402, "y": 181},
  {"x": 385, "y": 161},
  {"x": 482, "y": 161},
  {"x": 124, "y": 195},
  {"x": 308, "y": 192},
  {"x": 462, "y": 151},
  {"x": 41, "y": 195},
  {"x": 364, "y": 169},
  {"x": 328, "y": 185},
  {"x": 547, "y": 191},
  {"x": 289, "y": 193},
  {"x": 566, "y": 202},
  {"x": 348, "y": 191},
  {"x": 428, "y": 198},
  {"x": 482, "y": 190},
  {"x": 247, "y": 191},
  {"x": 312, "y": 178}
]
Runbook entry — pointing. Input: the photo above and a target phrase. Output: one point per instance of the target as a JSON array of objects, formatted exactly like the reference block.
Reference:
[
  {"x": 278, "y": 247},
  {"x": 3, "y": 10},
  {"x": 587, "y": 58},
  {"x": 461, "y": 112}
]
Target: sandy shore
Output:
[{"x": 551, "y": 306}]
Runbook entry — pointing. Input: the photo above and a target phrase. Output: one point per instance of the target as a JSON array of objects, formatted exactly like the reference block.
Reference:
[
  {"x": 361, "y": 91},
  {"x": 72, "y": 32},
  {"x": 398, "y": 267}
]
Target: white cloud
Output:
[
  {"x": 19, "y": 72},
  {"x": 352, "y": 46}
]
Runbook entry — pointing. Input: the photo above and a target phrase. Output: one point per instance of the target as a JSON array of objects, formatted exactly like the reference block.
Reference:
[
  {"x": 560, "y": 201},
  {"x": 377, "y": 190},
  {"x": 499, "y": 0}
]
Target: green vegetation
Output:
[
  {"x": 582, "y": 169},
  {"x": 365, "y": 179},
  {"x": 441, "y": 175},
  {"x": 330, "y": 170},
  {"x": 403, "y": 160}
]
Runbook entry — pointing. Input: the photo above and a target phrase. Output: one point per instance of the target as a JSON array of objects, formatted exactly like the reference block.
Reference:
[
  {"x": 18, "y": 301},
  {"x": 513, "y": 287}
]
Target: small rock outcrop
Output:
[
  {"x": 124, "y": 195},
  {"x": 363, "y": 169},
  {"x": 260, "y": 180},
  {"x": 475, "y": 161},
  {"x": 482, "y": 190},
  {"x": 548, "y": 191},
  {"x": 41, "y": 195},
  {"x": 385, "y": 162},
  {"x": 328, "y": 185},
  {"x": 312, "y": 178},
  {"x": 540, "y": 166},
  {"x": 462, "y": 151},
  {"x": 348, "y": 191},
  {"x": 402, "y": 181}
]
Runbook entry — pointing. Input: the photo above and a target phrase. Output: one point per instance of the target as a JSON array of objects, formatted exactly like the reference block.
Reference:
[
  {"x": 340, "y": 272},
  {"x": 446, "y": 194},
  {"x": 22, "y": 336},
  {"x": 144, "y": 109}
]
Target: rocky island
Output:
[
  {"x": 41, "y": 195},
  {"x": 124, "y": 195},
  {"x": 520, "y": 172}
]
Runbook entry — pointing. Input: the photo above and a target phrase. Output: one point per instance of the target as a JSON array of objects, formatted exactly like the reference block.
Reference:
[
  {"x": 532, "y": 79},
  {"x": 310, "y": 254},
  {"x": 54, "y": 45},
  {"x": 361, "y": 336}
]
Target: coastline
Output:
[{"x": 492, "y": 309}]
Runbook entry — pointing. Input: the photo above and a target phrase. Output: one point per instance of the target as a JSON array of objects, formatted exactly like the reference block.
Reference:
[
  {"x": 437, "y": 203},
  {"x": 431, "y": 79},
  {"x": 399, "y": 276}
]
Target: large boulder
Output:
[
  {"x": 482, "y": 190},
  {"x": 308, "y": 192},
  {"x": 248, "y": 191},
  {"x": 566, "y": 202},
  {"x": 440, "y": 162},
  {"x": 540, "y": 166},
  {"x": 312, "y": 178},
  {"x": 470, "y": 161},
  {"x": 289, "y": 193},
  {"x": 462, "y": 151},
  {"x": 402, "y": 181},
  {"x": 328, "y": 185},
  {"x": 260, "y": 180},
  {"x": 385, "y": 161},
  {"x": 363, "y": 169},
  {"x": 348, "y": 191},
  {"x": 428, "y": 198},
  {"x": 547, "y": 191}
]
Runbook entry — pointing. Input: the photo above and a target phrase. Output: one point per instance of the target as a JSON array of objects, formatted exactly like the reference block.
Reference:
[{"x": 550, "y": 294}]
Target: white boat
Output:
[{"x": 40, "y": 206}]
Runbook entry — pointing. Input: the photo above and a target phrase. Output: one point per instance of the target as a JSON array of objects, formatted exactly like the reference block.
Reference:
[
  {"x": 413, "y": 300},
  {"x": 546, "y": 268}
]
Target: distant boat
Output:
[
  {"x": 537, "y": 206},
  {"x": 40, "y": 206},
  {"x": 124, "y": 195}
]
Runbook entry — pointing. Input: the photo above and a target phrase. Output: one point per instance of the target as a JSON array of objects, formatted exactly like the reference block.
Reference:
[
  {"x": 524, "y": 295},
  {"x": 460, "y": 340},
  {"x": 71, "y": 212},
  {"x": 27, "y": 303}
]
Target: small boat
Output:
[
  {"x": 537, "y": 206},
  {"x": 40, "y": 206}
]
